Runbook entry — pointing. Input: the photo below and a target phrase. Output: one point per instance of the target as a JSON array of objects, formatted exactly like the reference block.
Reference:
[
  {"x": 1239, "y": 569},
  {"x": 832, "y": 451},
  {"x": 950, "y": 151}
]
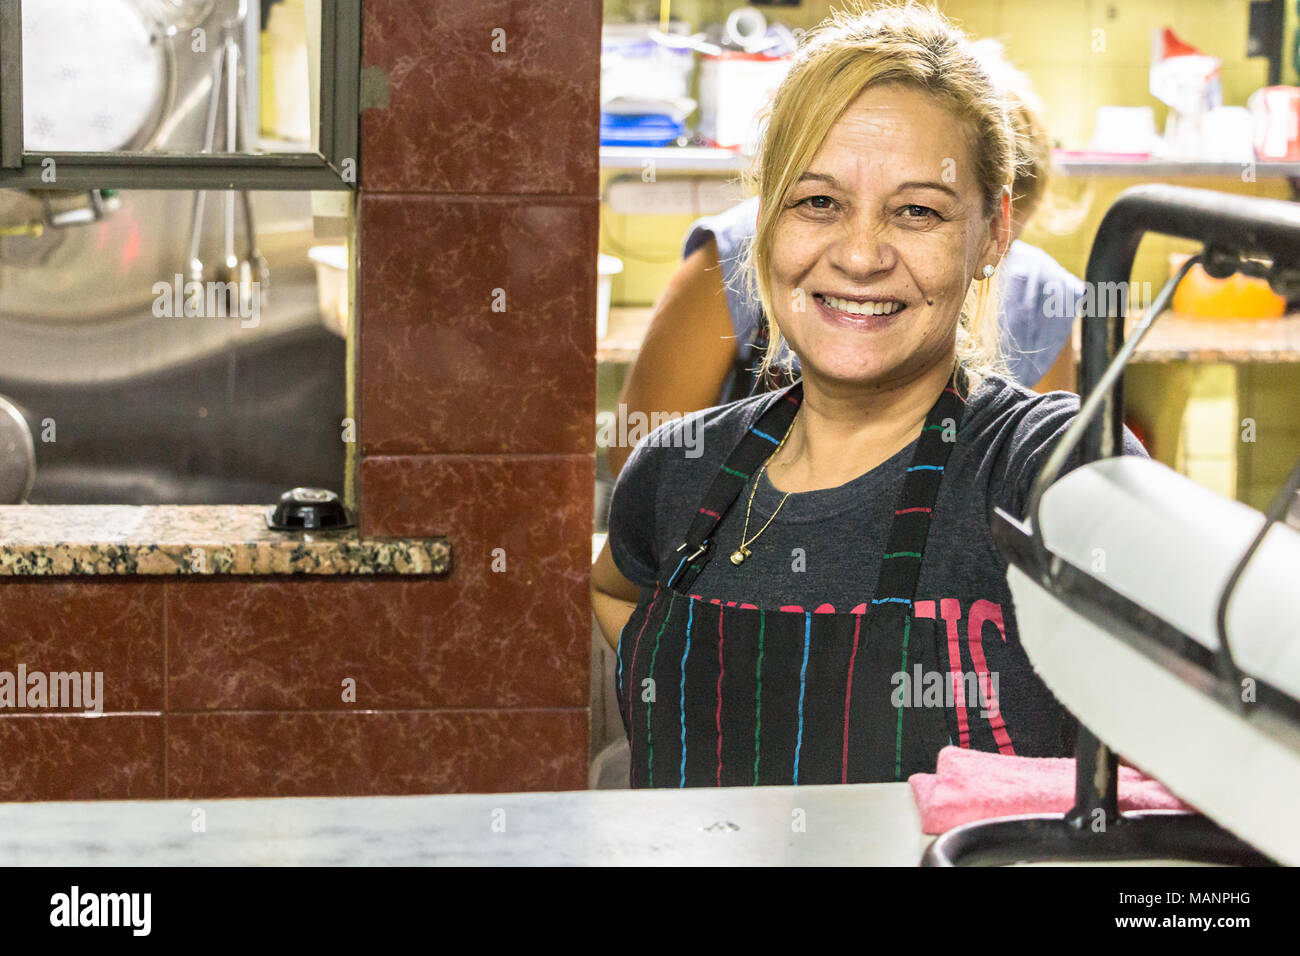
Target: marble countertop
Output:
[
  {"x": 40, "y": 540},
  {"x": 866, "y": 824}
]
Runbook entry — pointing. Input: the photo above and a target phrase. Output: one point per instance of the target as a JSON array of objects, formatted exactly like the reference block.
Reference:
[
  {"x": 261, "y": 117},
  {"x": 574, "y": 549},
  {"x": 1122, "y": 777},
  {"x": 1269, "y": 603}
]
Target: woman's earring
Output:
[{"x": 988, "y": 272}]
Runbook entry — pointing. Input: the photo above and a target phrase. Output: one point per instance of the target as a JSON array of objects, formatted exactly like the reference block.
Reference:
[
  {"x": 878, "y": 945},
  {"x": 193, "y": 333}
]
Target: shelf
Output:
[
  {"x": 1162, "y": 169},
  {"x": 703, "y": 159},
  {"x": 697, "y": 159},
  {"x": 195, "y": 540},
  {"x": 622, "y": 341},
  {"x": 1177, "y": 338}
]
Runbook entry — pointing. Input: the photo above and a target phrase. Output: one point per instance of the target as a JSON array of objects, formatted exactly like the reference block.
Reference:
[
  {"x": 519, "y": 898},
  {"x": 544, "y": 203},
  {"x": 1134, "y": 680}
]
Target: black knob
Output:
[{"x": 308, "y": 509}]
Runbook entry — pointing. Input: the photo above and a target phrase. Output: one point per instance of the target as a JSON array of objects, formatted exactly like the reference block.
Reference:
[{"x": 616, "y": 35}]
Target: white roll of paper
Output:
[
  {"x": 1170, "y": 545},
  {"x": 746, "y": 26}
]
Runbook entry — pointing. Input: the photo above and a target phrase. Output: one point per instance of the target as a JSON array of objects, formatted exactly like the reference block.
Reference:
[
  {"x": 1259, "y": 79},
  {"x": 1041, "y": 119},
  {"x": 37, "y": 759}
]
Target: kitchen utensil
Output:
[
  {"x": 1189, "y": 83},
  {"x": 639, "y": 61},
  {"x": 250, "y": 275},
  {"x": 194, "y": 264},
  {"x": 1275, "y": 112},
  {"x": 228, "y": 271},
  {"x": 735, "y": 87},
  {"x": 746, "y": 28}
]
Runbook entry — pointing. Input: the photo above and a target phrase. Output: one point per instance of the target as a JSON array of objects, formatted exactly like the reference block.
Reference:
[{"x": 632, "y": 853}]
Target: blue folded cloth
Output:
[{"x": 649, "y": 129}]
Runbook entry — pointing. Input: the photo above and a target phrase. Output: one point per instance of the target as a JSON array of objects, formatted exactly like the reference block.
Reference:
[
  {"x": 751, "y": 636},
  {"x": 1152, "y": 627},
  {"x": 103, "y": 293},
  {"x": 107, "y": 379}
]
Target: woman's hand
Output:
[{"x": 613, "y": 597}]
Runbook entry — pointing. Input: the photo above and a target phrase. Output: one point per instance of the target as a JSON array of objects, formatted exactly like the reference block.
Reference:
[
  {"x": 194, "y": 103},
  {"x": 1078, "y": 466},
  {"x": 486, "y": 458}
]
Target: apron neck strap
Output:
[
  {"x": 911, "y": 518},
  {"x": 746, "y": 458},
  {"x": 900, "y": 565}
]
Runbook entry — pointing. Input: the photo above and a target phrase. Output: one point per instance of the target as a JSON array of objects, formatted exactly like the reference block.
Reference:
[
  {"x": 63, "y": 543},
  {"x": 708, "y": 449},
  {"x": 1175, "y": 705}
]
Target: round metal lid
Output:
[{"x": 17, "y": 455}]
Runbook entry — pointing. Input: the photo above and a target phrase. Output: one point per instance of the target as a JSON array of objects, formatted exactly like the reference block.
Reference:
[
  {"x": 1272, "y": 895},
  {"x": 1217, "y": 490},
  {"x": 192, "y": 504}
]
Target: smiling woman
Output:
[
  {"x": 854, "y": 504},
  {"x": 903, "y": 196},
  {"x": 864, "y": 261}
]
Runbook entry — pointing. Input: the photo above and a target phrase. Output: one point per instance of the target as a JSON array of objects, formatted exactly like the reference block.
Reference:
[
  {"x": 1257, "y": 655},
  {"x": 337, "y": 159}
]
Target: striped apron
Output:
[{"x": 713, "y": 694}]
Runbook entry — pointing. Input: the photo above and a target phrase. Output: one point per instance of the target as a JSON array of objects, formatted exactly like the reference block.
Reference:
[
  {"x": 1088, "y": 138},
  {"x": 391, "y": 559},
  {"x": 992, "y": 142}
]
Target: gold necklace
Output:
[{"x": 740, "y": 554}]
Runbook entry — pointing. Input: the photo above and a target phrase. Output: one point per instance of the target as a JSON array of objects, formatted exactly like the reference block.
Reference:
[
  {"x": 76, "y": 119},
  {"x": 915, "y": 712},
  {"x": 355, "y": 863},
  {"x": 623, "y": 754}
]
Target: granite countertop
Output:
[
  {"x": 42, "y": 540},
  {"x": 858, "y": 824}
]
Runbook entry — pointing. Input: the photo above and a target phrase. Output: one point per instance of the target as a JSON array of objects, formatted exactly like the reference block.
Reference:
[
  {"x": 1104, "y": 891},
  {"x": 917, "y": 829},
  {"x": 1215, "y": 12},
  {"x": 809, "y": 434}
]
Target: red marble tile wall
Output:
[
  {"x": 114, "y": 627},
  {"x": 476, "y": 380},
  {"x": 478, "y": 229},
  {"x": 216, "y": 687}
]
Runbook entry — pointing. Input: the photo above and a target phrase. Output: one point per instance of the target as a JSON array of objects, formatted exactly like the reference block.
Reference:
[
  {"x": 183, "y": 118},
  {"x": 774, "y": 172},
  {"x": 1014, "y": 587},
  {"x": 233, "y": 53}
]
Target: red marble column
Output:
[{"x": 479, "y": 221}]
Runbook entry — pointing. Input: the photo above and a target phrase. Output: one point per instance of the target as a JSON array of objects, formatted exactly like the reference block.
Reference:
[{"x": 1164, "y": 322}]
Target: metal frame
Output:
[
  {"x": 1141, "y": 835},
  {"x": 11, "y": 86},
  {"x": 340, "y": 82},
  {"x": 1234, "y": 229}
]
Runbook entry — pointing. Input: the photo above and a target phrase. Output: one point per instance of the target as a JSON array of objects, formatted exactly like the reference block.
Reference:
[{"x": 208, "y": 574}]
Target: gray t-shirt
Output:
[
  {"x": 1006, "y": 434},
  {"x": 823, "y": 550}
]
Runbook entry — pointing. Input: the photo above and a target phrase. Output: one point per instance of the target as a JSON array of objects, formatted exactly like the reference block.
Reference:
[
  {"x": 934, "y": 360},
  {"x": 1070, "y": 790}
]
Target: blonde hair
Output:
[
  {"x": 902, "y": 42},
  {"x": 1033, "y": 142}
]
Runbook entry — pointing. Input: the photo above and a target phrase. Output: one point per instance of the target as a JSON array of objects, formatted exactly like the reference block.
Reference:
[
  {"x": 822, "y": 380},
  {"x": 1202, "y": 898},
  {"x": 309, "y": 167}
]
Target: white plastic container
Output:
[
  {"x": 332, "y": 286},
  {"x": 632, "y": 64},
  {"x": 1124, "y": 129},
  {"x": 607, "y": 267},
  {"x": 734, "y": 90}
]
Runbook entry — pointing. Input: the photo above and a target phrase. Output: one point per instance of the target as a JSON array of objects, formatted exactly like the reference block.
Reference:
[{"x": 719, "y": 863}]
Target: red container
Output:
[{"x": 1276, "y": 112}]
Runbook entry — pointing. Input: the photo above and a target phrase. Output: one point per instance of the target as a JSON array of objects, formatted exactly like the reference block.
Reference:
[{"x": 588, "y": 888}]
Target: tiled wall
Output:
[
  {"x": 479, "y": 175},
  {"x": 478, "y": 226},
  {"x": 222, "y": 688}
]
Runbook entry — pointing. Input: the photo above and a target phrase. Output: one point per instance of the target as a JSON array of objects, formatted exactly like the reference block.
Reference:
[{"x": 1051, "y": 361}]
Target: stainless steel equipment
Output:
[
  {"x": 156, "y": 408},
  {"x": 1181, "y": 647},
  {"x": 228, "y": 81}
]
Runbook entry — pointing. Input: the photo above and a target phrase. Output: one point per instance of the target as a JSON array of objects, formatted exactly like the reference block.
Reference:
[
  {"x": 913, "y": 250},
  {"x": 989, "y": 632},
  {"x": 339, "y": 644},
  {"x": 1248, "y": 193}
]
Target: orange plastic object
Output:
[{"x": 1236, "y": 297}]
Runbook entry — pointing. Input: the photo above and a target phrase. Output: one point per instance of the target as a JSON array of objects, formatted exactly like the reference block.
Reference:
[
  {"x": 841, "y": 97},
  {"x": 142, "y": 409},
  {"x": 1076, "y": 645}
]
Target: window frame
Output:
[{"x": 333, "y": 166}]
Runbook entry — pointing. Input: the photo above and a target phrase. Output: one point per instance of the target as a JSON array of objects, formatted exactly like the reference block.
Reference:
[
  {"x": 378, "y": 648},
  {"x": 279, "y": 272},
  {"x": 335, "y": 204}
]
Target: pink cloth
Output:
[{"x": 970, "y": 785}]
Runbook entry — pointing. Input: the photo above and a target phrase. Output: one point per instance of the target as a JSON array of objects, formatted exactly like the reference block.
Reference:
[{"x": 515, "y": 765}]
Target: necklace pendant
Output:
[{"x": 739, "y": 555}]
